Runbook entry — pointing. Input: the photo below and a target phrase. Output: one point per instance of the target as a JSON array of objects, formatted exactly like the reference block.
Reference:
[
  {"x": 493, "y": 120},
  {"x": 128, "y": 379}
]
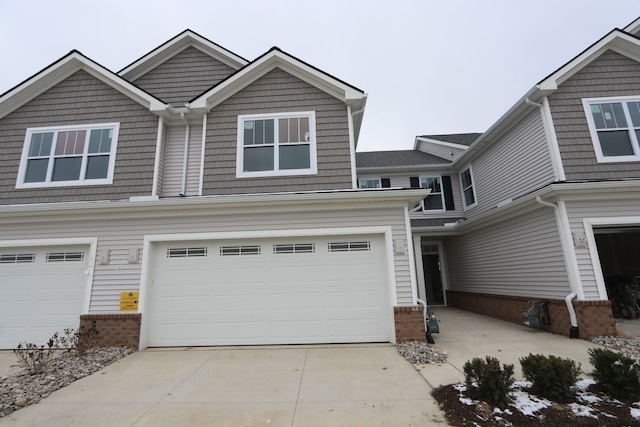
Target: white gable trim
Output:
[
  {"x": 64, "y": 68},
  {"x": 616, "y": 40},
  {"x": 277, "y": 59},
  {"x": 632, "y": 27},
  {"x": 176, "y": 45},
  {"x": 438, "y": 142}
]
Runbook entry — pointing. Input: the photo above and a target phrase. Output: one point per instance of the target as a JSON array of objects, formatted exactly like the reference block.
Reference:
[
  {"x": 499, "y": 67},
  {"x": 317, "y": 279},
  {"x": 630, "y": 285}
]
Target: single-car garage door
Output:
[
  {"x": 276, "y": 291},
  {"x": 41, "y": 292}
]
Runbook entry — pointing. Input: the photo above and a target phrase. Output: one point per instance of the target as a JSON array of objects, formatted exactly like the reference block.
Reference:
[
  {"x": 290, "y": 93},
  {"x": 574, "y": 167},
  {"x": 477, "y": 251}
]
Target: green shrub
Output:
[
  {"x": 492, "y": 384},
  {"x": 615, "y": 374},
  {"x": 552, "y": 377}
]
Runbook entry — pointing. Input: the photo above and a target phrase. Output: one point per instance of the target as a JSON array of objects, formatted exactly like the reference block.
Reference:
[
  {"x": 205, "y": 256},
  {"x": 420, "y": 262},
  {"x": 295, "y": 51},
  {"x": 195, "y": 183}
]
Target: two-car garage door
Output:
[
  {"x": 41, "y": 292},
  {"x": 269, "y": 291}
]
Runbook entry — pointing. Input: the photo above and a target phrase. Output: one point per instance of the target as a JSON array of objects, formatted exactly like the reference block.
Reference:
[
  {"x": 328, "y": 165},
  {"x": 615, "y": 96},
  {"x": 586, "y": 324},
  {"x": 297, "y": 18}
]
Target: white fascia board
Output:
[
  {"x": 344, "y": 198},
  {"x": 438, "y": 142},
  {"x": 277, "y": 59},
  {"x": 445, "y": 168},
  {"x": 622, "y": 43},
  {"x": 632, "y": 27},
  {"x": 187, "y": 39},
  {"x": 59, "y": 71}
]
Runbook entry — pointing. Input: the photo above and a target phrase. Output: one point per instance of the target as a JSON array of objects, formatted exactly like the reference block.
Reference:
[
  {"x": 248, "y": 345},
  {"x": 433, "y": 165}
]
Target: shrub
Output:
[
  {"x": 552, "y": 377},
  {"x": 34, "y": 358},
  {"x": 615, "y": 374},
  {"x": 487, "y": 381}
]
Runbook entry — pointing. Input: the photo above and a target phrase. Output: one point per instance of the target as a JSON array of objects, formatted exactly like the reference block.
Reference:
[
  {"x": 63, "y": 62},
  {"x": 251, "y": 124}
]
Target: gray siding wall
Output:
[
  {"x": 184, "y": 76},
  {"x": 81, "y": 99},
  {"x": 577, "y": 211},
  {"x": 442, "y": 151},
  {"x": 520, "y": 256},
  {"x": 518, "y": 163},
  {"x": 120, "y": 234},
  {"x": 275, "y": 92},
  {"x": 610, "y": 75}
]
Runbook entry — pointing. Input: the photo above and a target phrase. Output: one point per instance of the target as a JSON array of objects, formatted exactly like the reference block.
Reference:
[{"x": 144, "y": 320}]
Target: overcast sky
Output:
[{"x": 429, "y": 67}]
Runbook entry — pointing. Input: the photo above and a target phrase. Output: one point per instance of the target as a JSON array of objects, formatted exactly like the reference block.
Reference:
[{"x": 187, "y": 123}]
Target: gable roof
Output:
[
  {"x": 400, "y": 158},
  {"x": 176, "y": 45},
  {"x": 63, "y": 68},
  {"x": 465, "y": 139}
]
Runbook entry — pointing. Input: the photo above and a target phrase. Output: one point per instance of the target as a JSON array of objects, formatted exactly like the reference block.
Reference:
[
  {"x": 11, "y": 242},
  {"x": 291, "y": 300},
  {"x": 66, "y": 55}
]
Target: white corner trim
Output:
[
  {"x": 552, "y": 141},
  {"x": 156, "y": 163},
  {"x": 411, "y": 256},
  {"x": 417, "y": 250},
  {"x": 588, "y": 224},
  {"x": 566, "y": 240},
  {"x": 352, "y": 149},
  {"x": 70, "y": 241},
  {"x": 204, "y": 139}
]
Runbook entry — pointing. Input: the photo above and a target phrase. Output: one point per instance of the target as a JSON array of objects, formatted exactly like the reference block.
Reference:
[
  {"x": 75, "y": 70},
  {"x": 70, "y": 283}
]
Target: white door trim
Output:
[
  {"x": 237, "y": 235},
  {"x": 93, "y": 247},
  {"x": 593, "y": 248}
]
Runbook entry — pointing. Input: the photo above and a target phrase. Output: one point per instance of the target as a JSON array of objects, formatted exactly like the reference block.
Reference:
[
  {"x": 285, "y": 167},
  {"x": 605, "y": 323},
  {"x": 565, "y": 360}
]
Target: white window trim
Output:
[
  {"x": 586, "y": 103},
  {"x": 22, "y": 170},
  {"x": 369, "y": 178},
  {"x": 473, "y": 189},
  {"x": 313, "y": 164},
  {"x": 444, "y": 207}
]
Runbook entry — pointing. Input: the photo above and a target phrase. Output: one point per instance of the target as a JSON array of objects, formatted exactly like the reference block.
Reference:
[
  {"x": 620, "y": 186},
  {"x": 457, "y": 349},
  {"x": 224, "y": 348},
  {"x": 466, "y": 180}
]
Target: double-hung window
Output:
[
  {"x": 276, "y": 144},
  {"x": 468, "y": 192},
  {"x": 68, "y": 156},
  {"x": 614, "y": 124},
  {"x": 435, "y": 200},
  {"x": 370, "y": 183}
]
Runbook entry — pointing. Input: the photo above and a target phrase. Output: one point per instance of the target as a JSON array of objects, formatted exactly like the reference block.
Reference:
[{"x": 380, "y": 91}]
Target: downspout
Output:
[
  {"x": 185, "y": 155},
  {"x": 574, "y": 332},
  {"x": 352, "y": 144}
]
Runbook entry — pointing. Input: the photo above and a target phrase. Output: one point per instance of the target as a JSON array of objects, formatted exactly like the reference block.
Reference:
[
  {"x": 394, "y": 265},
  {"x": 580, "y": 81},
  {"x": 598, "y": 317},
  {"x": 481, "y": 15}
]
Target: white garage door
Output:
[
  {"x": 41, "y": 292},
  {"x": 277, "y": 291}
]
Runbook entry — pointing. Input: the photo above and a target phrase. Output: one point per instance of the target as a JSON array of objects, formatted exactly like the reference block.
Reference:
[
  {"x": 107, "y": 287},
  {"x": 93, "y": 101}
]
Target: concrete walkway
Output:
[{"x": 342, "y": 385}]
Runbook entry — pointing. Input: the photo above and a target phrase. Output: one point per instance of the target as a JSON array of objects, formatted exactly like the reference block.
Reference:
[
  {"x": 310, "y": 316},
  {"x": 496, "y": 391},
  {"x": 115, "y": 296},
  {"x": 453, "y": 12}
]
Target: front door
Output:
[{"x": 432, "y": 274}]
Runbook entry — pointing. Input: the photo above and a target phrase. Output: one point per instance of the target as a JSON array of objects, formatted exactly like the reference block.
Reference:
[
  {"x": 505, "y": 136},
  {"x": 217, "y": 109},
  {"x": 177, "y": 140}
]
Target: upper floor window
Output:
[
  {"x": 614, "y": 124},
  {"x": 468, "y": 192},
  {"x": 435, "y": 200},
  {"x": 370, "y": 183},
  {"x": 276, "y": 144},
  {"x": 68, "y": 155}
]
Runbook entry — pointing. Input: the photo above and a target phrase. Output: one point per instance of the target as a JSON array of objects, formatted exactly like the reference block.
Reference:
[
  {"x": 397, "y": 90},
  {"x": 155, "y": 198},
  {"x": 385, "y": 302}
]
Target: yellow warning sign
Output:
[{"x": 129, "y": 301}]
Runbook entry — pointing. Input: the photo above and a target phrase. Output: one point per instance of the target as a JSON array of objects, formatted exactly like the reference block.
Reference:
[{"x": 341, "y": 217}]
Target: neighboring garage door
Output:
[
  {"x": 41, "y": 292},
  {"x": 275, "y": 291}
]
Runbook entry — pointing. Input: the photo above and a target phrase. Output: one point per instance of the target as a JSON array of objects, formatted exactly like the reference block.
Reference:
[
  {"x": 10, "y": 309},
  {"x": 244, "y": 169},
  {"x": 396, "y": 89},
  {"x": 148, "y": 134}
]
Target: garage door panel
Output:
[
  {"x": 40, "y": 298},
  {"x": 273, "y": 297}
]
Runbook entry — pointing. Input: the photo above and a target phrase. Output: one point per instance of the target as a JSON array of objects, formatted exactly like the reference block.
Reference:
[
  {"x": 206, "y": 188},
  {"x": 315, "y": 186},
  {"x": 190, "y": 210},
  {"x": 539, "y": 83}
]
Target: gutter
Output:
[{"x": 569, "y": 256}]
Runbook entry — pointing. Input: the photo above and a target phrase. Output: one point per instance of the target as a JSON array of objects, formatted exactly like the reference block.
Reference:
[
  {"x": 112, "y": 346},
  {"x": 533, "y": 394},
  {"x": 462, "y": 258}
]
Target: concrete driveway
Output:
[{"x": 358, "y": 385}]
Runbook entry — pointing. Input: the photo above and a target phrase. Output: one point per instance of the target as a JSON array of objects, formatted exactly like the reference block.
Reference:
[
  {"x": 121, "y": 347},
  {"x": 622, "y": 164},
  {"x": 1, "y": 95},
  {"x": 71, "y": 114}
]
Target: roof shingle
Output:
[
  {"x": 456, "y": 138},
  {"x": 397, "y": 158}
]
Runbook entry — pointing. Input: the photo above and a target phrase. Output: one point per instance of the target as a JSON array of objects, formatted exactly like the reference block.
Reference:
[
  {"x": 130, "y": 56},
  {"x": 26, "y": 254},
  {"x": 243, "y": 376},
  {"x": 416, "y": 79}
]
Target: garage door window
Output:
[
  {"x": 294, "y": 248},
  {"x": 65, "y": 256},
  {"x": 187, "y": 252},
  {"x": 240, "y": 250},
  {"x": 17, "y": 258},
  {"x": 350, "y": 246}
]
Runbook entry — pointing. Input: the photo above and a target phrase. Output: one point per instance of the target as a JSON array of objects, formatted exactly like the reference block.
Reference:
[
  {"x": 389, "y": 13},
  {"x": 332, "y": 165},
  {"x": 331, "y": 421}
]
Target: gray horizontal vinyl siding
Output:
[
  {"x": 275, "y": 92},
  {"x": 442, "y": 151},
  {"x": 120, "y": 234},
  {"x": 81, "y": 99},
  {"x": 520, "y": 256},
  {"x": 184, "y": 76},
  {"x": 610, "y": 75},
  {"x": 577, "y": 211},
  {"x": 518, "y": 163}
]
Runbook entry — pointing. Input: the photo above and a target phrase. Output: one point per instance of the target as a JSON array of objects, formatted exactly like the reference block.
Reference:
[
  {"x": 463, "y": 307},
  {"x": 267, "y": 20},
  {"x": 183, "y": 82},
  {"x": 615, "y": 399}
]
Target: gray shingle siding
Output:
[
  {"x": 81, "y": 99},
  {"x": 275, "y": 92},
  {"x": 609, "y": 75},
  {"x": 185, "y": 76}
]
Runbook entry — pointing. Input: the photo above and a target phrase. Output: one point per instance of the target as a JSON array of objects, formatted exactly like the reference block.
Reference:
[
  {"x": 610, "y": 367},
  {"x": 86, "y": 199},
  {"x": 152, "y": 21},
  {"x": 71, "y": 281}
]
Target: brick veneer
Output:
[
  {"x": 595, "y": 318},
  {"x": 409, "y": 323},
  {"x": 122, "y": 330}
]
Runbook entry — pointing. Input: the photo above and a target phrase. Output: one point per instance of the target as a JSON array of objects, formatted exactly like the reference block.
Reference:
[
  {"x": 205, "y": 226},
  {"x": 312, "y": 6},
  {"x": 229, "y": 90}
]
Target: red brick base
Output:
[
  {"x": 121, "y": 330},
  {"x": 409, "y": 323},
  {"x": 595, "y": 318}
]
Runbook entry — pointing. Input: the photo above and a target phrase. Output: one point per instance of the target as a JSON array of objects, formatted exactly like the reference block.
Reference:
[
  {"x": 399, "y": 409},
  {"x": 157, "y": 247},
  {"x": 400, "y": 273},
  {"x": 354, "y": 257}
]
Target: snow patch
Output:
[
  {"x": 460, "y": 387},
  {"x": 528, "y": 404},
  {"x": 582, "y": 411},
  {"x": 467, "y": 401},
  {"x": 635, "y": 413},
  {"x": 585, "y": 384}
]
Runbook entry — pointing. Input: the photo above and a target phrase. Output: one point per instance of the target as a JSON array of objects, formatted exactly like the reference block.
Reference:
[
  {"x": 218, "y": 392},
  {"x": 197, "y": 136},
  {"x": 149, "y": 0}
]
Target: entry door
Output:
[{"x": 432, "y": 267}]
